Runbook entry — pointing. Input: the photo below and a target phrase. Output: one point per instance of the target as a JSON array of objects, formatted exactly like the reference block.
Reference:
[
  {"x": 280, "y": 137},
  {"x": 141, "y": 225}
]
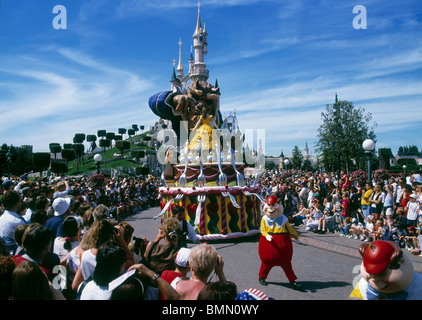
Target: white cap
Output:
[
  {"x": 61, "y": 205},
  {"x": 182, "y": 257}
]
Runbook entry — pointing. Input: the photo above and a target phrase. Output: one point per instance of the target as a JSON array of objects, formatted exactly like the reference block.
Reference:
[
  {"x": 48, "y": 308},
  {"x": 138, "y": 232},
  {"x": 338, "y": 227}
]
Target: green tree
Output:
[
  {"x": 91, "y": 138},
  {"x": 122, "y": 131},
  {"x": 41, "y": 161},
  {"x": 55, "y": 148},
  {"x": 68, "y": 154},
  {"x": 340, "y": 136},
  {"x": 297, "y": 158},
  {"x": 130, "y": 132},
  {"x": 122, "y": 145}
]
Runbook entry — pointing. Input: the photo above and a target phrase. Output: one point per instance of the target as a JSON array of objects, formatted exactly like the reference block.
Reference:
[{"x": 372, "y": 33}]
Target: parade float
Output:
[{"x": 204, "y": 161}]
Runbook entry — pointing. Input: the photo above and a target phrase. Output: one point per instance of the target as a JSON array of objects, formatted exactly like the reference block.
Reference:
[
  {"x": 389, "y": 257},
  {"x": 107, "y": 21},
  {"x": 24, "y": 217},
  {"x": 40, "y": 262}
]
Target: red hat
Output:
[
  {"x": 271, "y": 200},
  {"x": 377, "y": 256}
]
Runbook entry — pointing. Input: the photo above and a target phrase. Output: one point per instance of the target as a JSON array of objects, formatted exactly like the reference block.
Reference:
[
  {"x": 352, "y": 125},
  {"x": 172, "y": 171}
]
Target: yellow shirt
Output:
[
  {"x": 285, "y": 228},
  {"x": 366, "y": 197}
]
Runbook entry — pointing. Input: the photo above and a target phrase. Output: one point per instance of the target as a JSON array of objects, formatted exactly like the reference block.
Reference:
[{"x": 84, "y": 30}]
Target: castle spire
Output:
[
  {"x": 180, "y": 66},
  {"x": 198, "y": 28}
]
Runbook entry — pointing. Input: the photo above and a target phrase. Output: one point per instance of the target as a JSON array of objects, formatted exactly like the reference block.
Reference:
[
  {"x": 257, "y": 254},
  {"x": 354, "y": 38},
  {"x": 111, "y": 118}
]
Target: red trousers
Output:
[{"x": 277, "y": 252}]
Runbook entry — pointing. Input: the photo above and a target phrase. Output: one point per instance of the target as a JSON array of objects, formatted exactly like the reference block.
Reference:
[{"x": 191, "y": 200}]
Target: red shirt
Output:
[
  {"x": 18, "y": 259},
  {"x": 169, "y": 276}
]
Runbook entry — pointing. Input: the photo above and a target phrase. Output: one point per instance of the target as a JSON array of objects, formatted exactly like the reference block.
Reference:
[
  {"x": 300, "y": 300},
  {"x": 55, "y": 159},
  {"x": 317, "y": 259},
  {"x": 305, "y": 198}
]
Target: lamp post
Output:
[
  {"x": 9, "y": 156},
  {"x": 404, "y": 171},
  {"x": 286, "y": 163},
  {"x": 97, "y": 158},
  {"x": 369, "y": 146}
]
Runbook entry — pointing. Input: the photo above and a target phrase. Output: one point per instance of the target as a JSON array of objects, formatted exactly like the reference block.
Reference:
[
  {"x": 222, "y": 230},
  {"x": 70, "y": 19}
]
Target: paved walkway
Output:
[{"x": 326, "y": 264}]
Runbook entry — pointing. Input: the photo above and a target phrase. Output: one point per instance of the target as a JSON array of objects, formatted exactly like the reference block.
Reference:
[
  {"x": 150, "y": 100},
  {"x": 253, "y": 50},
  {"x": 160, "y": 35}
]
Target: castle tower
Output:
[
  {"x": 174, "y": 80},
  {"x": 200, "y": 46},
  {"x": 180, "y": 66},
  {"x": 306, "y": 156}
]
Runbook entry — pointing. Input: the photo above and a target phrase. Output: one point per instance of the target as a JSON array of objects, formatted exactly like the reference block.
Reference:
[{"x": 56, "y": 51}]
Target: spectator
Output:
[
  {"x": 99, "y": 233},
  {"x": 18, "y": 235},
  {"x": 29, "y": 282},
  {"x": 411, "y": 238},
  {"x": 39, "y": 216},
  {"x": 8, "y": 185},
  {"x": 203, "y": 260},
  {"x": 314, "y": 217},
  {"x": 164, "y": 288},
  {"x": 344, "y": 229},
  {"x": 181, "y": 270},
  {"x": 299, "y": 218},
  {"x": 368, "y": 229},
  {"x": 6, "y": 270},
  {"x": 219, "y": 290},
  {"x": 10, "y": 219},
  {"x": 61, "y": 207},
  {"x": 110, "y": 264},
  {"x": 376, "y": 234},
  {"x": 62, "y": 189},
  {"x": 186, "y": 229},
  {"x": 365, "y": 202},
  {"x": 388, "y": 202},
  {"x": 377, "y": 202},
  {"x": 36, "y": 242},
  {"x": 160, "y": 256},
  {"x": 413, "y": 210},
  {"x": 69, "y": 239},
  {"x": 417, "y": 242}
]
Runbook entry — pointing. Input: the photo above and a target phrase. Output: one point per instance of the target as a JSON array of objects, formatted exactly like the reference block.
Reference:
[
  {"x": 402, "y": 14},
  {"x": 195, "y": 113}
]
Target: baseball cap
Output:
[
  {"x": 182, "y": 257},
  {"x": 271, "y": 200},
  {"x": 377, "y": 256},
  {"x": 414, "y": 196},
  {"x": 60, "y": 205},
  {"x": 7, "y": 183}
]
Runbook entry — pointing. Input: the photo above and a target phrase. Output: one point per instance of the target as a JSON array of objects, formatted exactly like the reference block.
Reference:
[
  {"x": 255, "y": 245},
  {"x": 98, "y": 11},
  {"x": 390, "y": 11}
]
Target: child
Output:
[
  {"x": 417, "y": 242},
  {"x": 368, "y": 229},
  {"x": 314, "y": 218},
  {"x": 412, "y": 208},
  {"x": 355, "y": 229},
  {"x": 345, "y": 209},
  {"x": 386, "y": 231},
  {"x": 378, "y": 228},
  {"x": 410, "y": 238},
  {"x": 299, "y": 218},
  {"x": 398, "y": 234},
  {"x": 344, "y": 229}
]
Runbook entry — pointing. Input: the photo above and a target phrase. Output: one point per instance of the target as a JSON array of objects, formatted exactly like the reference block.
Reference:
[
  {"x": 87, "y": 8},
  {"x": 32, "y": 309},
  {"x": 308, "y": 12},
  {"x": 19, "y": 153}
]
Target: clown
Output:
[
  {"x": 387, "y": 273},
  {"x": 275, "y": 245}
]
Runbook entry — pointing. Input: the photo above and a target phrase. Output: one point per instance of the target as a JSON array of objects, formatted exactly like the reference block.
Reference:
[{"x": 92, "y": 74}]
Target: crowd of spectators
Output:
[
  {"x": 365, "y": 211},
  {"x": 66, "y": 238}
]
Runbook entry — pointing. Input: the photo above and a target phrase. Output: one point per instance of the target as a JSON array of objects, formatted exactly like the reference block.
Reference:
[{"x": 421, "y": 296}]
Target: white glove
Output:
[
  {"x": 269, "y": 237},
  {"x": 298, "y": 241}
]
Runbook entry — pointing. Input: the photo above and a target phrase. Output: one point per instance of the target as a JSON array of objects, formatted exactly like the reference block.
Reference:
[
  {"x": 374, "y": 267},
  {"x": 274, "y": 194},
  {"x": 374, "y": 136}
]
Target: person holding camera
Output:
[
  {"x": 187, "y": 230},
  {"x": 160, "y": 256}
]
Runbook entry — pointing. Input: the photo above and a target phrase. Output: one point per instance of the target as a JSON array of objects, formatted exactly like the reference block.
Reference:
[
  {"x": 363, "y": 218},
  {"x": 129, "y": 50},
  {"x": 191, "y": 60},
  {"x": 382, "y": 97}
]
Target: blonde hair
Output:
[
  {"x": 203, "y": 259},
  {"x": 170, "y": 225}
]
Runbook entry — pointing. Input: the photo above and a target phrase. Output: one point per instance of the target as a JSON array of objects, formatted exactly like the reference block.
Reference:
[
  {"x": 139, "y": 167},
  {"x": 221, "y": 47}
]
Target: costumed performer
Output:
[
  {"x": 387, "y": 274},
  {"x": 275, "y": 245}
]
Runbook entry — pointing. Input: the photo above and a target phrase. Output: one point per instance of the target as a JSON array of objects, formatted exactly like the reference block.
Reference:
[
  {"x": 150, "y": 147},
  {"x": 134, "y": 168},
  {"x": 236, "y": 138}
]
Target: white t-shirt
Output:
[
  {"x": 412, "y": 212},
  {"x": 88, "y": 263},
  {"x": 94, "y": 292},
  {"x": 59, "y": 247}
]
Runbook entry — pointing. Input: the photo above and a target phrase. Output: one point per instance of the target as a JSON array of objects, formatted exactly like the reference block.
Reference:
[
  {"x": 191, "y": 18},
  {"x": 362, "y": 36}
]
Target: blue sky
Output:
[{"x": 278, "y": 63}]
